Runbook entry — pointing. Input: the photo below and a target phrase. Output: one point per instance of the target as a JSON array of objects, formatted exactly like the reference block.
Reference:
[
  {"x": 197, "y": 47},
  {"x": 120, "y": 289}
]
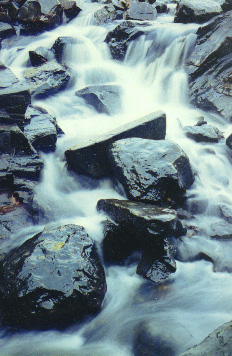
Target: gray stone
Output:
[
  {"x": 53, "y": 280},
  {"x": 204, "y": 133},
  {"x": 62, "y": 47},
  {"x": 104, "y": 15},
  {"x": 142, "y": 11},
  {"x": 47, "y": 79},
  {"x": 196, "y": 11},
  {"x": 6, "y": 30},
  {"x": 221, "y": 230},
  {"x": 40, "y": 56},
  {"x": 104, "y": 98},
  {"x": 70, "y": 8},
  {"x": 91, "y": 158},
  {"x": 151, "y": 171},
  {"x": 13, "y": 140}
]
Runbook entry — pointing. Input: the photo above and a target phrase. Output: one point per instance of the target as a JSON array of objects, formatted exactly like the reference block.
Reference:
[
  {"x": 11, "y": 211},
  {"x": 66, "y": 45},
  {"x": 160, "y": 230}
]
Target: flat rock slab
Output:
[
  {"x": 47, "y": 79},
  {"x": 53, "y": 280},
  {"x": 28, "y": 167},
  {"x": 141, "y": 11},
  {"x": 221, "y": 230},
  {"x": 218, "y": 343},
  {"x": 104, "y": 98},
  {"x": 204, "y": 133},
  {"x": 196, "y": 11},
  {"x": 151, "y": 171},
  {"x": 6, "y": 30},
  {"x": 41, "y": 131},
  {"x": 162, "y": 221},
  {"x": 91, "y": 158},
  {"x": 210, "y": 67}
]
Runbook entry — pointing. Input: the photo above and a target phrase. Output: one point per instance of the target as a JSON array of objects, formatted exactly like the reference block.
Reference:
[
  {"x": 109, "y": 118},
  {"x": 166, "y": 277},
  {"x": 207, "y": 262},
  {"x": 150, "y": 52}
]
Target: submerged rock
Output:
[
  {"x": 53, "y": 279},
  {"x": 203, "y": 133},
  {"x": 218, "y": 343},
  {"x": 104, "y": 98},
  {"x": 210, "y": 67},
  {"x": 91, "y": 158},
  {"x": 47, "y": 79},
  {"x": 151, "y": 171},
  {"x": 141, "y": 11},
  {"x": 196, "y": 11}
]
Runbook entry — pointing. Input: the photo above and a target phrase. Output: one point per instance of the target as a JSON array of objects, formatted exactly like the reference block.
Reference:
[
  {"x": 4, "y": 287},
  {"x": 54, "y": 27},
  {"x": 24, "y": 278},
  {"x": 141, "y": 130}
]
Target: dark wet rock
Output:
[
  {"x": 196, "y": 11},
  {"x": 218, "y": 343},
  {"x": 61, "y": 46},
  {"x": 203, "y": 133},
  {"x": 13, "y": 140},
  {"x": 141, "y": 11},
  {"x": 53, "y": 280},
  {"x": 104, "y": 15},
  {"x": 151, "y": 171},
  {"x": 47, "y": 79},
  {"x": 41, "y": 130},
  {"x": 229, "y": 141},
  {"x": 221, "y": 230},
  {"x": 119, "y": 38},
  {"x": 91, "y": 158},
  {"x": 13, "y": 9},
  {"x": 6, "y": 30},
  {"x": 5, "y": 118},
  {"x": 40, "y": 15},
  {"x": 156, "y": 220},
  {"x": 70, "y": 8},
  {"x": 210, "y": 67},
  {"x": 197, "y": 205},
  {"x": 201, "y": 121},
  {"x": 28, "y": 167},
  {"x": 14, "y": 96},
  {"x": 104, "y": 98},
  {"x": 39, "y": 56},
  {"x": 161, "y": 7}
]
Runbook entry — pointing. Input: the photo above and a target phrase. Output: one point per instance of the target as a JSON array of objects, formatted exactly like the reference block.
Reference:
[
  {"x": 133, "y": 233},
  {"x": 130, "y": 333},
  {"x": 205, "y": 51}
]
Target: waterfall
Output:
[{"x": 153, "y": 76}]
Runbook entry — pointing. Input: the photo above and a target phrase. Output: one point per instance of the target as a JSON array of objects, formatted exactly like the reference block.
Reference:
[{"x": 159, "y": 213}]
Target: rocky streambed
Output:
[{"x": 115, "y": 144}]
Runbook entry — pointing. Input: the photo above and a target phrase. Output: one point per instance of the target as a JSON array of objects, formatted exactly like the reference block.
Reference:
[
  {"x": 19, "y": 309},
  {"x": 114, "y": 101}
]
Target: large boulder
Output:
[
  {"x": 196, "y": 11},
  {"x": 218, "y": 343},
  {"x": 91, "y": 158},
  {"x": 28, "y": 166},
  {"x": 14, "y": 95},
  {"x": 46, "y": 79},
  {"x": 141, "y": 11},
  {"x": 104, "y": 98},
  {"x": 6, "y": 30},
  {"x": 52, "y": 280},
  {"x": 41, "y": 130},
  {"x": 106, "y": 14},
  {"x": 119, "y": 38},
  {"x": 70, "y": 8},
  {"x": 13, "y": 140},
  {"x": 62, "y": 47},
  {"x": 210, "y": 67},
  {"x": 151, "y": 171},
  {"x": 204, "y": 133}
]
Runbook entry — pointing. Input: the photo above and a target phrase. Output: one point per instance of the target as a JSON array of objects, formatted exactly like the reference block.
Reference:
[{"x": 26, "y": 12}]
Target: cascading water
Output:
[{"x": 152, "y": 77}]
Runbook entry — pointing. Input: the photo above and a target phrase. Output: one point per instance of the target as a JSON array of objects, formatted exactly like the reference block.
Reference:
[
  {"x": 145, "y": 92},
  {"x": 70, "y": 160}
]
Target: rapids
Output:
[{"x": 197, "y": 300}]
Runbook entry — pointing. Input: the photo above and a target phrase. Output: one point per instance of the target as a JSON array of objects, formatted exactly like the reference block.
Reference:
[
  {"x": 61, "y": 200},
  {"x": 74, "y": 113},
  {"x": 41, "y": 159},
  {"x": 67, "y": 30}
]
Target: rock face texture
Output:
[
  {"x": 151, "y": 171},
  {"x": 204, "y": 133},
  {"x": 197, "y": 11},
  {"x": 91, "y": 157},
  {"x": 210, "y": 67},
  {"x": 52, "y": 280},
  {"x": 141, "y": 11},
  {"x": 218, "y": 343}
]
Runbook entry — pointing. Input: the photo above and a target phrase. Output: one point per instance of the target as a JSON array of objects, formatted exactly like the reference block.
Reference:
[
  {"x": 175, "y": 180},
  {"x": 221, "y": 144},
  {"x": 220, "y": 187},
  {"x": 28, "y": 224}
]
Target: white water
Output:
[{"x": 152, "y": 77}]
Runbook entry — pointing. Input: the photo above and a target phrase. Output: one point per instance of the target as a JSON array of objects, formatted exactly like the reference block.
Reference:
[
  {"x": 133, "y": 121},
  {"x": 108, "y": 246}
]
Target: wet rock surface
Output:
[
  {"x": 210, "y": 66},
  {"x": 218, "y": 343},
  {"x": 61, "y": 47},
  {"x": 204, "y": 133},
  {"x": 71, "y": 9},
  {"x": 196, "y": 11},
  {"x": 141, "y": 11},
  {"x": 46, "y": 79},
  {"x": 104, "y": 15},
  {"x": 53, "y": 279},
  {"x": 151, "y": 171},
  {"x": 91, "y": 157},
  {"x": 221, "y": 230},
  {"x": 6, "y": 30}
]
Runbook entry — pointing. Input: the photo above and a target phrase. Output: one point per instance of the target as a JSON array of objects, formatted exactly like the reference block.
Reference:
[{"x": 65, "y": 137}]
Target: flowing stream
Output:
[{"x": 152, "y": 77}]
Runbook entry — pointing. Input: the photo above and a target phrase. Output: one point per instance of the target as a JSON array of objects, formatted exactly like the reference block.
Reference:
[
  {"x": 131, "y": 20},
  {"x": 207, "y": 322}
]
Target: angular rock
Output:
[
  {"x": 41, "y": 131},
  {"x": 158, "y": 221},
  {"x": 28, "y": 167},
  {"x": 6, "y": 30},
  {"x": 210, "y": 67},
  {"x": 218, "y": 343},
  {"x": 204, "y": 133},
  {"x": 30, "y": 12},
  {"x": 229, "y": 141},
  {"x": 47, "y": 79},
  {"x": 196, "y": 11},
  {"x": 13, "y": 140},
  {"x": 53, "y": 279},
  {"x": 61, "y": 47},
  {"x": 119, "y": 38},
  {"x": 70, "y": 8},
  {"x": 14, "y": 96},
  {"x": 161, "y": 7},
  {"x": 37, "y": 57},
  {"x": 151, "y": 171},
  {"x": 141, "y": 11},
  {"x": 104, "y": 98},
  {"x": 226, "y": 212},
  {"x": 104, "y": 15},
  {"x": 91, "y": 158},
  {"x": 221, "y": 230}
]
